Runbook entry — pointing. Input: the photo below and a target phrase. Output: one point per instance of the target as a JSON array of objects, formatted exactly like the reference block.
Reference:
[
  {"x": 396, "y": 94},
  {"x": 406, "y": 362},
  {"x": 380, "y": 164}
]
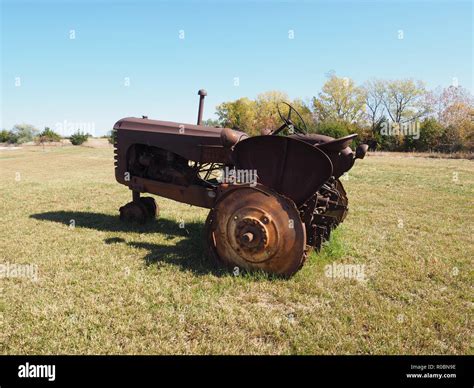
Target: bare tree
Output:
[
  {"x": 374, "y": 91},
  {"x": 404, "y": 99}
]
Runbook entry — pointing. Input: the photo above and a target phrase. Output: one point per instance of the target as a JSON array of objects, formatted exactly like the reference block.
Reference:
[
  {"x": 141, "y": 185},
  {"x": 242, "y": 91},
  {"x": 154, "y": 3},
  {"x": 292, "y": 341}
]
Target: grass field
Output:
[{"x": 104, "y": 287}]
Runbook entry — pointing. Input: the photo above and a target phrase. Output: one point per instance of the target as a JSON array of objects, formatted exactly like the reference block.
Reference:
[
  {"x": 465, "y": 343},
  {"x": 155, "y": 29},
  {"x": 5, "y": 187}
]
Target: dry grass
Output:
[
  {"x": 105, "y": 287},
  {"x": 437, "y": 155}
]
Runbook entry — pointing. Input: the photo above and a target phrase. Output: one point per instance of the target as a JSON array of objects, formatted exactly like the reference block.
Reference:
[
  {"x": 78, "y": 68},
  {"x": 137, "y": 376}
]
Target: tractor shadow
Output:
[
  {"x": 109, "y": 223},
  {"x": 188, "y": 254}
]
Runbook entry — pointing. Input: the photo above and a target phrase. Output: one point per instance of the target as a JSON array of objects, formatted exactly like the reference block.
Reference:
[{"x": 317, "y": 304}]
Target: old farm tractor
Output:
[{"x": 271, "y": 197}]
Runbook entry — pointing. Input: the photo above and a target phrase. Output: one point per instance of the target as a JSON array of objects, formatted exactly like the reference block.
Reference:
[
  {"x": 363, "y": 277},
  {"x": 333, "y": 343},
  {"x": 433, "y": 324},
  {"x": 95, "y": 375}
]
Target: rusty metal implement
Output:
[{"x": 272, "y": 197}]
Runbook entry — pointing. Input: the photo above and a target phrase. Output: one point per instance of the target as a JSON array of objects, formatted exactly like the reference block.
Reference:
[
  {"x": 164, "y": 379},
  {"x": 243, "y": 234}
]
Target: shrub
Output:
[
  {"x": 78, "y": 138},
  {"x": 48, "y": 135},
  {"x": 334, "y": 129},
  {"x": 13, "y": 137},
  {"x": 451, "y": 141},
  {"x": 22, "y": 133},
  {"x": 431, "y": 132},
  {"x": 4, "y": 136},
  {"x": 112, "y": 136}
]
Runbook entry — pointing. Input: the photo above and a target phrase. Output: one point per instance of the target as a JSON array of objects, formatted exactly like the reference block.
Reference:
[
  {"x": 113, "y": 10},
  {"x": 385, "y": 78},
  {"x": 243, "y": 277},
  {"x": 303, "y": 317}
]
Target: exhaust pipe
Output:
[{"x": 202, "y": 93}]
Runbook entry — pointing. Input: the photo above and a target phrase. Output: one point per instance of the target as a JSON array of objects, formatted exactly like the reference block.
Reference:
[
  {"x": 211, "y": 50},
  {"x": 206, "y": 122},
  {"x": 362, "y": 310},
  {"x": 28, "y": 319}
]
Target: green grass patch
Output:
[{"x": 105, "y": 287}]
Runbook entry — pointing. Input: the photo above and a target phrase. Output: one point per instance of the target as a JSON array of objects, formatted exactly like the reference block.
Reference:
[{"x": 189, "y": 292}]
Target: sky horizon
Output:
[{"x": 70, "y": 63}]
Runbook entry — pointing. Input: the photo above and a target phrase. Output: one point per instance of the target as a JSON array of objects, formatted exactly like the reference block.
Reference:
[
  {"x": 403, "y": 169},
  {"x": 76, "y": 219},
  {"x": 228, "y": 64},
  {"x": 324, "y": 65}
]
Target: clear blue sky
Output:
[{"x": 81, "y": 80}]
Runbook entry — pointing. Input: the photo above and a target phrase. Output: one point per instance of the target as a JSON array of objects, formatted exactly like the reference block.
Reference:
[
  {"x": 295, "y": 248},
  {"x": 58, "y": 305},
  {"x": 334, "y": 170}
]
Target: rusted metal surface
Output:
[
  {"x": 268, "y": 224},
  {"x": 283, "y": 164},
  {"x": 186, "y": 140},
  {"x": 193, "y": 194},
  {"x": 202, "y": 93},
  {"x": 337, "y": 150},
  {"x": 255, "y": 228}
]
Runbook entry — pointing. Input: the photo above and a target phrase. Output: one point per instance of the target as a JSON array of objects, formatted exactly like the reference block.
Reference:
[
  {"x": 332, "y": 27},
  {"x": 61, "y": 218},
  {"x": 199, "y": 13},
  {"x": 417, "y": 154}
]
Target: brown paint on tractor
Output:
[{"x": 268, "y": 225}]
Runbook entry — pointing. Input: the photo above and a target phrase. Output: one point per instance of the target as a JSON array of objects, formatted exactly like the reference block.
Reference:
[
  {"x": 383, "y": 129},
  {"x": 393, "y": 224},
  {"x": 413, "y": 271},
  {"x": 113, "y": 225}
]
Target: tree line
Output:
[
  {"x": 394, "y": 115},
  {"x": 24, "y": 133}
]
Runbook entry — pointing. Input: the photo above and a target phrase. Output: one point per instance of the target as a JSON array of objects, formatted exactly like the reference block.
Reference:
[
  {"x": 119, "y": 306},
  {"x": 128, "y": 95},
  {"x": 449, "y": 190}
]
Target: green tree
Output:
[
  {"x": 266, "y": 104},
  {"x": 239, "y": 114},
  {"x": 252, "y": 116},
  {"x": 339, "y": 100},
  {"x": 305, "y": 111}
]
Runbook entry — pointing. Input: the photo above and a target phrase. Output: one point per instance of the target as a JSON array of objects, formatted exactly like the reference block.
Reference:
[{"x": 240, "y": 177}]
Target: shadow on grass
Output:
[
  {"x": 108, "y": 223},
  {"x": 187, "y": 254}
]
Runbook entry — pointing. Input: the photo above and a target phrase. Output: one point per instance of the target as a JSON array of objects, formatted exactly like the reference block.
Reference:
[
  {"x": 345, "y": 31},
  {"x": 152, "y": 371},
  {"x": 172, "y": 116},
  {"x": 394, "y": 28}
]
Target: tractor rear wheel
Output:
[{"x": 255, "y": 228}]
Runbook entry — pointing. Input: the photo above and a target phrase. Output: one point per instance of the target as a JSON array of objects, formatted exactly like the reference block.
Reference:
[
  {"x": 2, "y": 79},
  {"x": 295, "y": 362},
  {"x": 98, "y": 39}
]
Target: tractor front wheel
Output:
[{"x": 141, "y": 211}]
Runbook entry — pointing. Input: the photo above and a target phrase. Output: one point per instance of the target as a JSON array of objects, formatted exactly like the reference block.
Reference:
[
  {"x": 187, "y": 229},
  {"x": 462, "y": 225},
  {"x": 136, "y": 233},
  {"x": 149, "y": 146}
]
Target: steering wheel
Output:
[{"x": 288, "y": 123}]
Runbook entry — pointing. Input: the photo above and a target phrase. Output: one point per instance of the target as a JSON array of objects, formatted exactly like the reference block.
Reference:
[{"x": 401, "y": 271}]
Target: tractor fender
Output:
[{"x": 289, "y": 166}]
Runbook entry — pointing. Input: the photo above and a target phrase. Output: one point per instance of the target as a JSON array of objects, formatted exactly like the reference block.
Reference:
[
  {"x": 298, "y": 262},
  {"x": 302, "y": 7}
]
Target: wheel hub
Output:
[
  {"x": 256, "y": 228},
  {"x": 251, "y": 235}
]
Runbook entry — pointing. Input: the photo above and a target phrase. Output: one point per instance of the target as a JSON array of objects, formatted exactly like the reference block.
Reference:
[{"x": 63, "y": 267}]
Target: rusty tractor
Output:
[{"x": 272, "y": 198}]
